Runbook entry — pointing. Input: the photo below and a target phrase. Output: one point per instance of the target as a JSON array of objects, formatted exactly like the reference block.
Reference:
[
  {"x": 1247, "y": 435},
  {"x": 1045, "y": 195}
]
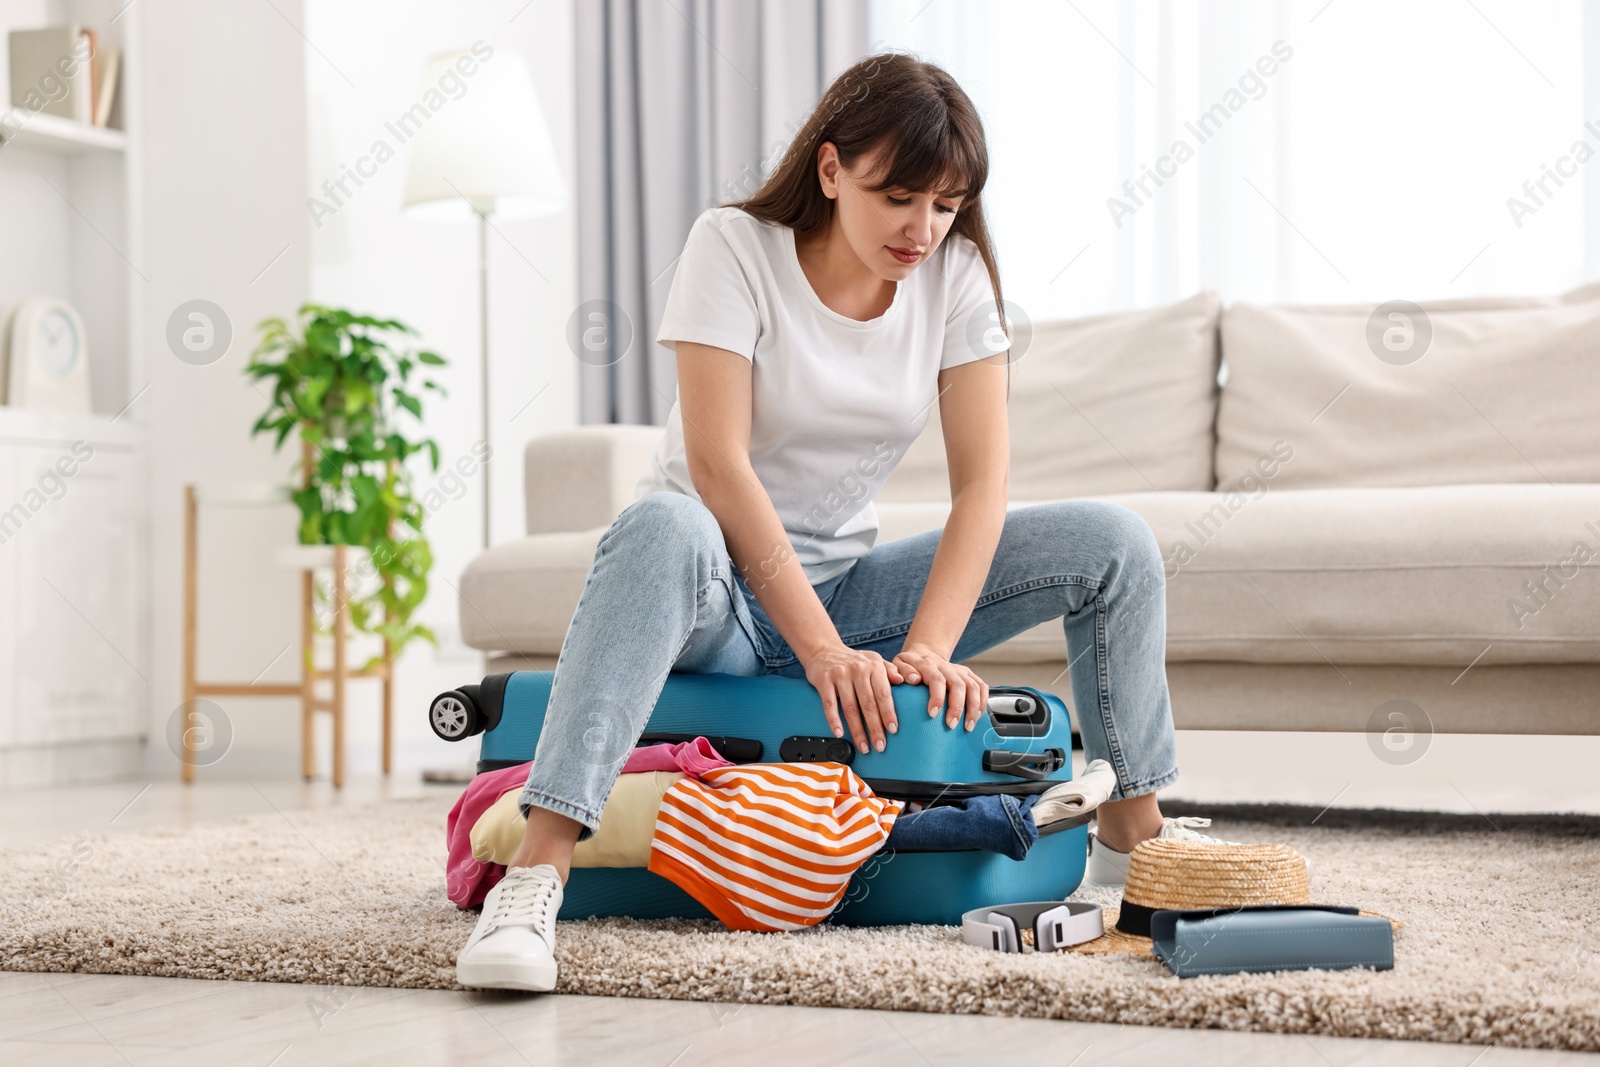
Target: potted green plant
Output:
[{"x": 352, "y": 387}]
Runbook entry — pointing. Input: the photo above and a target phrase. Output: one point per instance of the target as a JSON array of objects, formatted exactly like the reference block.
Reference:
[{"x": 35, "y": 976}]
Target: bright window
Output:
[{"x": 1317, "y": 152}]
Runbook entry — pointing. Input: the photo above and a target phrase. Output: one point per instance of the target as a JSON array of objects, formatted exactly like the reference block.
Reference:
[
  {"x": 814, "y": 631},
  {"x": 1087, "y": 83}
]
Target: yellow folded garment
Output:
[{"x": 627, "y": 824}]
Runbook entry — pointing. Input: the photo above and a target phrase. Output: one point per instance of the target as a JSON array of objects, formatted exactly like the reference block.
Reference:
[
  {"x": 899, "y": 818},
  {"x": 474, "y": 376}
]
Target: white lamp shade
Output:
[{"x": 486, "y": 145}]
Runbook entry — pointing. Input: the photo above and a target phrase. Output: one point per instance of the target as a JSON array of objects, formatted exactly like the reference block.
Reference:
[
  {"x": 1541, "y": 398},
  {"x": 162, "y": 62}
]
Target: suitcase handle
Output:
[
  {"x": 1032, "y": 765},
  {"x": 732, "y": 749},
  {"x": 1017, "y": 712}
]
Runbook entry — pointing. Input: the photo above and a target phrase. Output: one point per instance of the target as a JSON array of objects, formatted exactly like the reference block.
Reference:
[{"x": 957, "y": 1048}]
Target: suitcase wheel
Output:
[{"x": 455, "y": 715}]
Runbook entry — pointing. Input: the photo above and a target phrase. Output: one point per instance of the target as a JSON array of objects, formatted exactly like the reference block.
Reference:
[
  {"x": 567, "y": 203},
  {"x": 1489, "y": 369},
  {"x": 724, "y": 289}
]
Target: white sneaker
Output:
[
  {"x": 513, "y": 945},
  {"x": 1108, "y": 868}
]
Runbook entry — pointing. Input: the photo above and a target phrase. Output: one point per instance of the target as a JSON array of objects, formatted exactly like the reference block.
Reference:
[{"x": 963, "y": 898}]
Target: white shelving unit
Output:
[
  {"x": 74, "y": 673},
  {"x": 50, "y": 133}
]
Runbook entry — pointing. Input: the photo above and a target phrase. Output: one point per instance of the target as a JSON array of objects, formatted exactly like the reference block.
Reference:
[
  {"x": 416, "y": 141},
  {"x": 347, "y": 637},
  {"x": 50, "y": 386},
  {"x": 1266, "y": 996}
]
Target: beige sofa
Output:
[{"x": 1357, "y": 506}]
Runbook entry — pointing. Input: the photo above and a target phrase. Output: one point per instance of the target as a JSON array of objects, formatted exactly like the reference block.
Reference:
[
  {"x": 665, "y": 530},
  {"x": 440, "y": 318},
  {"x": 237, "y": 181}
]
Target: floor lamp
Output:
[
  {"x": 483, "y": 149},
  {"x": 480, "y": 151}
]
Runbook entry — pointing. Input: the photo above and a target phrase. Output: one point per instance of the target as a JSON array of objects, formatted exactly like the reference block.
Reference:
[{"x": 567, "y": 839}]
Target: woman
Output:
[{"x": 815, "y": 324}]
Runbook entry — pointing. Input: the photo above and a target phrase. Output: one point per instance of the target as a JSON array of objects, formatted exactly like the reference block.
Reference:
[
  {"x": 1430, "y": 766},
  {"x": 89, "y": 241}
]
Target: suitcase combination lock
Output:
[{"x": 799, "y": 749}]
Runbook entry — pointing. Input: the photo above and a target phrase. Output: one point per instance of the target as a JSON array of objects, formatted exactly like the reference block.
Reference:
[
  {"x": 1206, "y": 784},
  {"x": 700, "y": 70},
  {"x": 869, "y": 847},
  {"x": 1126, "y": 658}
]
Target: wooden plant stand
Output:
[{"x": 339, "y": 674}]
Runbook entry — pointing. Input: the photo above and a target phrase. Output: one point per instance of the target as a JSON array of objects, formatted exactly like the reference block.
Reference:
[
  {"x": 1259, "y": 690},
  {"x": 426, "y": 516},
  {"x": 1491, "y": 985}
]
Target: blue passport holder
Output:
[{"x": 1278, "y": 937}]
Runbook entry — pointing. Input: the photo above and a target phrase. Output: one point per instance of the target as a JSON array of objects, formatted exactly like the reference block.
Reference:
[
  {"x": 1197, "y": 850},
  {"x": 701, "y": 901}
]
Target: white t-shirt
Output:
[{"x": 835, "y": 401}]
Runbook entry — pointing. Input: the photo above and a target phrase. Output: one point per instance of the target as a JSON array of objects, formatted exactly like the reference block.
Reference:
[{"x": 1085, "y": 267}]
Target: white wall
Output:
[
  {"x": 224, "y": 158},
  {"x": 369, "y": 258},
  {"x": 248, "y": 108}
]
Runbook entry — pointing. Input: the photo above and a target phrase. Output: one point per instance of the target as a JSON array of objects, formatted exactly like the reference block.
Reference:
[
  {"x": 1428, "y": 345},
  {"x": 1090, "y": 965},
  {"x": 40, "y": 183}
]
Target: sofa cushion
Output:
[
  {"x": 1490, "y": 390},
  {"x": 1114, "y": 403},
  {"x": 1475, "y": 574},
  {"x": 1441, "y": 575}
]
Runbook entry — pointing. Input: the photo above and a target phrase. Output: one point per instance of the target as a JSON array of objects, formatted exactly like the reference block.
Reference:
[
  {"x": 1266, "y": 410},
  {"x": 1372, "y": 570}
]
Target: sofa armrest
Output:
[
  {"x": 519, "y": 596},
  {"x": 582, "y": 478}
]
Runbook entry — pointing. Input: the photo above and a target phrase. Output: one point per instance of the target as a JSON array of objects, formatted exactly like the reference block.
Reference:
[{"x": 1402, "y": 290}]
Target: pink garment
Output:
[
  {"x": 693, "y": 758},
  {"x": 467, "y": 880}
]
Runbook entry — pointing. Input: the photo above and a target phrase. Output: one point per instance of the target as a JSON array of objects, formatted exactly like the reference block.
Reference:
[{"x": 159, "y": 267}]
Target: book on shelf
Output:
[
  {"x": 105, "y": 88},
  {"x": 60, "y": 71},
  {"x": 87, "y": 114}
]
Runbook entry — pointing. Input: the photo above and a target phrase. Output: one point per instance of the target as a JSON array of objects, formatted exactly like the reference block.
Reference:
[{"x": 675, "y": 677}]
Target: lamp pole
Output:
[
  {"x": 482, "y": 207},
  {"x": 488, "y": 151}
]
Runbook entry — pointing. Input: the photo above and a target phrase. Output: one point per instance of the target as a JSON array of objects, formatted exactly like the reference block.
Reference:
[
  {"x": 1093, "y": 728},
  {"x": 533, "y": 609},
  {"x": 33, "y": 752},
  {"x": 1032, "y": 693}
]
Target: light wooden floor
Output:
[{"x": 87, "y": 1020}]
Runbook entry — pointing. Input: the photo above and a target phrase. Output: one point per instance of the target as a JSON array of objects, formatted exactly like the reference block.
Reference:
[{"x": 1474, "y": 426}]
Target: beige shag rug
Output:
[{"x": 1498, "y": 945}]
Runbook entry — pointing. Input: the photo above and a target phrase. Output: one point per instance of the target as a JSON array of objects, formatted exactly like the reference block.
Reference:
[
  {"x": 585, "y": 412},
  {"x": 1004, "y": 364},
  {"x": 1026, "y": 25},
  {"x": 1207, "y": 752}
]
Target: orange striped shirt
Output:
[{"x": 769, "y": 846}]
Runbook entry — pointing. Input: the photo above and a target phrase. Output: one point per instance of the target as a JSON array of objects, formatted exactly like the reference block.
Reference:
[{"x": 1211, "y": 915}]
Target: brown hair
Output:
[{"x": 934, "y": 138}]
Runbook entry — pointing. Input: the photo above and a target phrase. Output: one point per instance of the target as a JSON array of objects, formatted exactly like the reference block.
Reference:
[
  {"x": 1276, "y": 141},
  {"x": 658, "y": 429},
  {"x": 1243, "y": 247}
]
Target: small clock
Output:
[{"x": 49, "y": 360}]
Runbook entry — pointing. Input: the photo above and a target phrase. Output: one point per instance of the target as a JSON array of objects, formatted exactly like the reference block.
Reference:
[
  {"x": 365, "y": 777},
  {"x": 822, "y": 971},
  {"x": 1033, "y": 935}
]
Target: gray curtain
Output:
[{"x": 681, "y": 104}]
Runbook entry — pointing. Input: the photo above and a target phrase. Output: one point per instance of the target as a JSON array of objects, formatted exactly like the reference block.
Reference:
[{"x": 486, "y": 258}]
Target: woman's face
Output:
[{"x": 892, "y": 231}]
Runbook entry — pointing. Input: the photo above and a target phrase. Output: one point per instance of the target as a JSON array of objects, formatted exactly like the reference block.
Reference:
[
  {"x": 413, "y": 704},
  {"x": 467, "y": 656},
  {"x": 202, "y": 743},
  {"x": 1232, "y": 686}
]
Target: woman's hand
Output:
[
  {"x": 856, "y": 680},
  {"x": 922, "y": 665}
]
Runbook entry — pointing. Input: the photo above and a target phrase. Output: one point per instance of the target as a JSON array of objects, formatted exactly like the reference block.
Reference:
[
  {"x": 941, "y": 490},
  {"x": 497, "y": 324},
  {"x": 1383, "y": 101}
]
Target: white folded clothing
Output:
[{"x": 1077, "y": 796}]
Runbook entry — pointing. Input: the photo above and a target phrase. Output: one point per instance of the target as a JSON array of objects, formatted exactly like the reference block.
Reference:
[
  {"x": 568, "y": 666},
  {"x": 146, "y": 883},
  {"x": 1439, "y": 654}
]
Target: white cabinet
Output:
[
  {"x": 73, "y": 674},
  {"x": 73, "y": 596}
]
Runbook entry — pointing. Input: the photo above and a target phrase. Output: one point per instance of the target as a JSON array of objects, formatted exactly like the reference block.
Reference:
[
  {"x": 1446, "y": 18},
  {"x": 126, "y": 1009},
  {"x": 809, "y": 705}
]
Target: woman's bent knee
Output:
[
  {"x": 669, "y": 520},
  {"x": 1133, "y": 529},
  {"x": 1121, "y": 532}
]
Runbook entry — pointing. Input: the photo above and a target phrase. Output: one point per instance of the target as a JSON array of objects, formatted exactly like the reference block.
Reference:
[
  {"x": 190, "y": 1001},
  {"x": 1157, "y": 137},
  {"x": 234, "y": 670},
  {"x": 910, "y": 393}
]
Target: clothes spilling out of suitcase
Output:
[
  {"x": 763, "y": 846},
  {"x": 732, "y": 806}
]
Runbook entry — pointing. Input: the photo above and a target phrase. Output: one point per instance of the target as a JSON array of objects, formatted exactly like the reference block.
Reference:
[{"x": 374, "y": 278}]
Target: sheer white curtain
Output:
[{"x": 1277, "y": 151}]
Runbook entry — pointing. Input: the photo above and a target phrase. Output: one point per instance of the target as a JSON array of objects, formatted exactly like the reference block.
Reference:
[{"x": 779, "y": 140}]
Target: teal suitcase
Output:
[{"x": 1021, "y": 745}]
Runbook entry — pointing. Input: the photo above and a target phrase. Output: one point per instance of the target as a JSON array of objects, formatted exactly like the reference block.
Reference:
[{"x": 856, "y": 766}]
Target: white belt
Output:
[{"x": 1056, "y": 924}]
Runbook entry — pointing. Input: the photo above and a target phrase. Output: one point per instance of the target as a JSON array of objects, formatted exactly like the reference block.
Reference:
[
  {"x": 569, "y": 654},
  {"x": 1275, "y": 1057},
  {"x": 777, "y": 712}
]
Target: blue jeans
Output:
[
  {"x": 999, "y": 823},
  {"x": 663, "y": 595}
]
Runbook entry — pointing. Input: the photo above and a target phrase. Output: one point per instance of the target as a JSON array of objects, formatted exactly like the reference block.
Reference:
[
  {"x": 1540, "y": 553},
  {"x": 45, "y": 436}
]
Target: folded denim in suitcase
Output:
[{"x": 1021, "y": 745}]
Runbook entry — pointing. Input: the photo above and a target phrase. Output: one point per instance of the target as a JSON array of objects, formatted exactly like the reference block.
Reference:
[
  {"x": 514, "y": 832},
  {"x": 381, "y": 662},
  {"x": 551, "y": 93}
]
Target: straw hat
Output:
[{"x": 1174, "y": 873}]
